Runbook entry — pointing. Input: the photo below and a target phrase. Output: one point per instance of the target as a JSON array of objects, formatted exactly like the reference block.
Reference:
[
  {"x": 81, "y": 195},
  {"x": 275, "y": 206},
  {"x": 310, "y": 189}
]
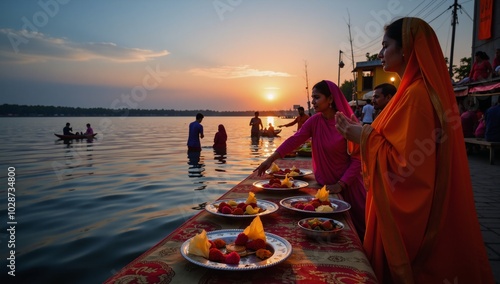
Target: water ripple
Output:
[{"x": 87, "y": 208}]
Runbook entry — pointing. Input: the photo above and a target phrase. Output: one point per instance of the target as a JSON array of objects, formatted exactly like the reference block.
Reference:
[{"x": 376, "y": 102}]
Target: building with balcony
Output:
[{"x": 370, "y": 74}]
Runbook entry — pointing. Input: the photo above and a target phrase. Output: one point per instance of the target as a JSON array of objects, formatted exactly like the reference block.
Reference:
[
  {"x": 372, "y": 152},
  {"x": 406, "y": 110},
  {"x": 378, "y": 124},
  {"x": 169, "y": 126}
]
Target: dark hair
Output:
[
  {"x": 256, "y": 113},
  {"x": 482, "y": 55},
  {"x": 395, "y": 31},
  {"x": 323, "y": 88},
  {"x": 387, "y": 89},
  {"x": 300, "y": 108},
  {"x": 199, "y": 116}
]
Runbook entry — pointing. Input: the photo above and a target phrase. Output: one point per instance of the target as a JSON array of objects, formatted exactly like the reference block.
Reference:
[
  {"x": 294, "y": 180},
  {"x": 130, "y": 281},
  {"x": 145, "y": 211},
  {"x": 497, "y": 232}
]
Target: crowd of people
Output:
[
  {"x": 481, "y": 124},
  {"x": 482, "y": 69},
  {"x": 401, "y": 164}
]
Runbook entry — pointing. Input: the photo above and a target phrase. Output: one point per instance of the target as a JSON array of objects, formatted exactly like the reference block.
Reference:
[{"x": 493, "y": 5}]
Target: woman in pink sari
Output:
[{"x": 331, "y": 163}]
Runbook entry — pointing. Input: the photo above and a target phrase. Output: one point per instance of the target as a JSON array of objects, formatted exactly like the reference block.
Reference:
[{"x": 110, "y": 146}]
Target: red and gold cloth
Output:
[{"x": 340, "y": 261}]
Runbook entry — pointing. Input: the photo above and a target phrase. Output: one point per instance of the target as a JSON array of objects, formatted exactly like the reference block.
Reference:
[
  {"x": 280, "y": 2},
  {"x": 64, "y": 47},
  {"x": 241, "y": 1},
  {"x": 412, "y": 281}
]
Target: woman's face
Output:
[
  {"x": 320, "y": 102},
  {"x": 391, "y": 56}
]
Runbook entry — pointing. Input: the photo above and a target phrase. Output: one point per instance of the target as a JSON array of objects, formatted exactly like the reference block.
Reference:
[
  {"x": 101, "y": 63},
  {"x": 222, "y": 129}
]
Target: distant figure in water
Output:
[
  {"x": 270, "y": 130},
  {"x": 89, "y": 131},
  {"x": 299, "y": 120},
  {"x": 220, "y": 138},
  {"x": 256, "y": 124},
  {"x": 195, "y": 133},
  {"x": 67, "y": 130},
  {"x": 220, "y": 146}
]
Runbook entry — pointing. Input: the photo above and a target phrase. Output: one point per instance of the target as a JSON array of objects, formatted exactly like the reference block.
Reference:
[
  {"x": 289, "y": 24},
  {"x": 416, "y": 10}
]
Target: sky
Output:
[{"x": 224, "y": 55}]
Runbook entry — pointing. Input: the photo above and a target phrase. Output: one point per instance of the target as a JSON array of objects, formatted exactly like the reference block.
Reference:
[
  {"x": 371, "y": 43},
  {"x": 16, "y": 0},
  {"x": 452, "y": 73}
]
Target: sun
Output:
[{"x": 270, "y": 96}]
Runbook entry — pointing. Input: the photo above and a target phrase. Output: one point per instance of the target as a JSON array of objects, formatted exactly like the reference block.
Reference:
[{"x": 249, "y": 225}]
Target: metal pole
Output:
[
  {"x": 340, "y": 60},
  {"x": 307, "y": 91},
  {"x": 453, "y": 24}
]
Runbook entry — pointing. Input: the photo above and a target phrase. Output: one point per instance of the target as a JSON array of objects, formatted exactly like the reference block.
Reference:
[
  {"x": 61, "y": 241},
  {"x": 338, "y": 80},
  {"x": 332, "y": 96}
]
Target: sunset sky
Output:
[{"x": 195, "y": 54}]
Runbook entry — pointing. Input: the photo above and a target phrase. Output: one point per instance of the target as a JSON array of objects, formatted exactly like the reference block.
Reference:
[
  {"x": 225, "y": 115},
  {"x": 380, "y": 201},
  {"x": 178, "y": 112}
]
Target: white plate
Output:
[
  {"x": 288, "y": 203},
  {"x": 269, "y": 207},
  {"x": 296, "y": 185},
  {"x": 280, "y": 248},
  {"x": 303, "y": 172}
]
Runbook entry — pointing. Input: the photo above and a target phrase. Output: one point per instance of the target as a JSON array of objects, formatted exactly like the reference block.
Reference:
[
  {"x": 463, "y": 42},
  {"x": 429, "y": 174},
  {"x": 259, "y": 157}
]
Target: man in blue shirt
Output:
[
  {"x": 368, "y": 112},
  {"x": 195, "y": 133}
]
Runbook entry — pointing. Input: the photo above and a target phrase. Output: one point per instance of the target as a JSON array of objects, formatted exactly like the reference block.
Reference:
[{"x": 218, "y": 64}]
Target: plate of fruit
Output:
[
  {"x": 230, "y": 249},
  {"x": 276, "y": 184},
  {"x": 292, "y": 172},
  {"x": 239, "y": 208},
  {"x": 312, "y": 205},
  {"x": 320, "y": 228}
]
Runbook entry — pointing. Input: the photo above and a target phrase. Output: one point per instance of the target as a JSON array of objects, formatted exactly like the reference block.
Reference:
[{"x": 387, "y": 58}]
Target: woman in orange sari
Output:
[{"x": 421, "y": 221}]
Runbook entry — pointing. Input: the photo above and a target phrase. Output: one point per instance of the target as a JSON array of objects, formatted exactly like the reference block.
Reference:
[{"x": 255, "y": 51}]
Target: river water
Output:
[{"x": 85, "y": 209}]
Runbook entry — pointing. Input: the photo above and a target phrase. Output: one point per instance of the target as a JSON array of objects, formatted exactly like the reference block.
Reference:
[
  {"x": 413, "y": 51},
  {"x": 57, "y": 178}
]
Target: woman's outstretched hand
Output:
[
  {"x": 350, "y": 128},
  {"x": 266, "y": 164},
  {"x": 263, "y": 167}
]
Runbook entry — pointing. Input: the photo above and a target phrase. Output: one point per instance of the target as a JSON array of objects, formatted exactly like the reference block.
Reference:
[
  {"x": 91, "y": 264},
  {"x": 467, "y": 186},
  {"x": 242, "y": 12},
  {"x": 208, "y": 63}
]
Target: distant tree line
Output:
[{"x": 13, "y": 110}]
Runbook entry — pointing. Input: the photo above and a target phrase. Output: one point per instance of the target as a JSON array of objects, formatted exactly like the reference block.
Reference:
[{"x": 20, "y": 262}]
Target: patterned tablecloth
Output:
[{"x": 341, "y": 260}]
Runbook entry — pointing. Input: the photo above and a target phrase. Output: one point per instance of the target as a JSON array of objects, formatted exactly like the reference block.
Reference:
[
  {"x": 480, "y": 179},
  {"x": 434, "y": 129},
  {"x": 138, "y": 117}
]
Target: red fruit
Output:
[
  {"x": 232, "y": 258},
  {"x": 305, "y": 225},
  {"x": 327, "y": 225},
  {"x": 222, "y": 205},
  {"x": 300, "y": 206},
  {"x": 242, "y": 205},
  {"x": 315, "y": 203},
  {"x": 309, "y": 207},
  {"x": 238, "y": 211},
  {"x": 326, "y": 202},
  {"x": 256, "y": 244},
  {"x": 227, "y": 210},
  {"x": 212, "y": 244},
  {"x": 241, "y": 240},
  {"x": 275, "y": 180},
  {"x": 216, "y": 255}
]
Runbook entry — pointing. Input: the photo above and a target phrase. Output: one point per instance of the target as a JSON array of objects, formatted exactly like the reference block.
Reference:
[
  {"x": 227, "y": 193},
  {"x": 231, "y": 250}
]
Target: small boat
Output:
[
  {"x": 265, "y": 133},
  {"x": 80, "y": 136}
]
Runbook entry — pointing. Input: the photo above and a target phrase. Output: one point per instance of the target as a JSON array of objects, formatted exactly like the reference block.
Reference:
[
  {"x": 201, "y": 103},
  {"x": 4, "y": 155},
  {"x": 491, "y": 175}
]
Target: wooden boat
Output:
[
  {"x": 70, "y": 137},
  {"x": 266, "y": 133}
]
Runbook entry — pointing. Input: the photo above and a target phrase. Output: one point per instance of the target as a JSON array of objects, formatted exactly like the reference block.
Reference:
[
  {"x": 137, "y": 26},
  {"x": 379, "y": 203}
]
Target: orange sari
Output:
[{"x": 422, "y": 225}]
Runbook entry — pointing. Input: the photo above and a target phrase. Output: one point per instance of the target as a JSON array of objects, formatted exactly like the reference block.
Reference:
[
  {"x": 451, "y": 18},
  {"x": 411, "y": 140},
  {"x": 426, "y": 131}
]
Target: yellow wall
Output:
[{"x": 379, "y": 77}]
